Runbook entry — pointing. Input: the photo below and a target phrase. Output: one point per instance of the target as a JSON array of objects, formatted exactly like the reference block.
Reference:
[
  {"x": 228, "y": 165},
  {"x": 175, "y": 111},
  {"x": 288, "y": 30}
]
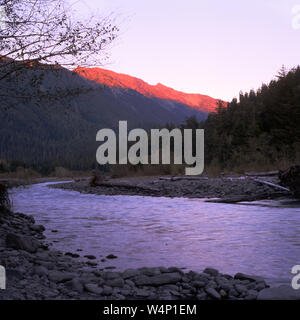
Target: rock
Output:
[
  {"x": 223, "y": 293},
  {"x": 12, "y": 273},
  {"x": 150, "y": 271},
  {"x": 73, "y": 255},
  {"x": 93, "y": 288},
  {"x": 142, "y": 293},
  {"x": 213, "y": 293},
  {"x": 165, "y": 278},
  {"x": 37, "y": 228},
  {"x": 89, "y": 256},
  {"x": 92, "y": 264},
  {"x": 260, "y": 286},
  {"x": 119, "y": 282},
  {"x": 75, "y": 285},
  {"x": 211, "y": 271},
  {"x": 198, "y": 284},
  {"x": 21, "y": 243},
  {"x": 175, "y": 269},
  {"x": 282, "y": 292},
  {"x": 111, "y": 275},
  {"x": 40, "y": 271},
  {"x": 107, "y": 291},
  {"x": 233, "y": 293},
  {"x": 201, "y": 296},
  {"x": 58, "y": 276},
  {"x": 111, "y": 256},
  {"x": 240, "y": 288},
  {"x": 130, "y": 273},
  {"x": 242, "y": 276}
]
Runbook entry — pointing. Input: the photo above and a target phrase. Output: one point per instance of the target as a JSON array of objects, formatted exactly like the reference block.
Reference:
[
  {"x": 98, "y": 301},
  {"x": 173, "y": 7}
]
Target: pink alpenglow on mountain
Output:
[{"x": 112, "y": 79}]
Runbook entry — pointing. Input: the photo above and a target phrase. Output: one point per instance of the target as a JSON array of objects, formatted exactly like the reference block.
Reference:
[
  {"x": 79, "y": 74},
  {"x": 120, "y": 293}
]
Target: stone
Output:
[
  {"x": 92, "y": 264},
  {"x": 165, "y": 278},
  {"x": 201, "y": 296},
  {"x": 58, "y": 276},
  {"x": 211, "y": 271},
  {"x": 260, "y": 286},
  {"x": 21, "y": 243},
  {"x": 73, "y": 255},
  {"x": 223, "y": 293},
  {"x": 40, "y": 271},
  {"x": 240, "y": 288},
  {"x": 75, "y": 285},
  {"x": 111, "y": 275},
  {"x": 93, "y": 288},
  {"x": 37, "y": 228},
  {"x": 107, "y": 291},
  {"x": 111, "y": 256},
  {"x": 150, "y": 271},
  {"x": 243, "y": 276},
  {"x": 130, "y": 273},
  {"x": 142, "y": 293},
  {"x": 119, "y": 282},
  {"x": 198, "y": 284},
  {"x": 90, "y": 257},
  {"x": 282, "y": 292},
  {"x": 213, "y": 293}
]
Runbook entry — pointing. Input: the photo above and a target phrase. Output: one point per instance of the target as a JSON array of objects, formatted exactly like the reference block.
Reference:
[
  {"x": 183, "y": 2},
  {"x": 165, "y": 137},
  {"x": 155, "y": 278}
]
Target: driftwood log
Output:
[
  {"x": 100, "y": 181},
  {"x": 290, "y": 178},
  {"x": 273, "y": 185},
  {"x": 262, "y": 174}
]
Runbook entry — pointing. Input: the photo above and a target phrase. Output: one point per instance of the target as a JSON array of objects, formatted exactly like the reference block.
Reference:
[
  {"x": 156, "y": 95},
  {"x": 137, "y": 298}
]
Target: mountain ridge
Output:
[{"x": 110, "y": 78}]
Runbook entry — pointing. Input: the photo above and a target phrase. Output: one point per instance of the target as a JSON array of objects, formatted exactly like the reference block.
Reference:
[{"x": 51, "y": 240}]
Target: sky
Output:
[{"x": 212, "y": 47}]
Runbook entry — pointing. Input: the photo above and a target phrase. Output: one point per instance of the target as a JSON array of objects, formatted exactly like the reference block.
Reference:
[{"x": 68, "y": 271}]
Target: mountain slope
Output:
[
  {"x": 50, "y": 116},
  {"x": 112, "y": 79}
]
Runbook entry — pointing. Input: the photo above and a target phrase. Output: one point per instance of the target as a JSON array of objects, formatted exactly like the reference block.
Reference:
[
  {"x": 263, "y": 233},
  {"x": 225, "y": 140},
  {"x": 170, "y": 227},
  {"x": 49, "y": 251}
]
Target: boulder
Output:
[
  {"x": 21, "y": 243},
  {"x": 58, "y": 276},
  {"x": 213, "y": 293},
  {"x": 242, "y": 276},
  {"x": 282, "y": 292},
  {"x": 165, "y": 278},
  {"x": 211, "y": 271},
  {"x": 93, "y": 288}
]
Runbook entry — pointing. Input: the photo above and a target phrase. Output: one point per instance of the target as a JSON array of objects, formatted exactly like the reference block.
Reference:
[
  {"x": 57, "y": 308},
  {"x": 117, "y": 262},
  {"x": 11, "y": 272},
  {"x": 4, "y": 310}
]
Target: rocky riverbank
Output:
[
  {"x": 35, "y": 271},
  {"x": 226, "y": 188}
]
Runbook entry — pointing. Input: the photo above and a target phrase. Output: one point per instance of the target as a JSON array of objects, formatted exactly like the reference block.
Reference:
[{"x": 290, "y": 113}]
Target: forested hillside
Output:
[{"x": 260, "y": 131}]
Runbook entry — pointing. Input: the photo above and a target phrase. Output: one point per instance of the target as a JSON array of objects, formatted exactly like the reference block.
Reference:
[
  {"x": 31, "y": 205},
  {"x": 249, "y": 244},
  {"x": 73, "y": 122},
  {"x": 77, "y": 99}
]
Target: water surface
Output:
[{"x": 260, "y": 238}]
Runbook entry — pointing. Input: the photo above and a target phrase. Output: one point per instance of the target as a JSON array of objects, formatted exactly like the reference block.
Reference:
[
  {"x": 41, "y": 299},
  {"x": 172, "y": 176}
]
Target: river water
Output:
[{"x": 261, "y": 238}]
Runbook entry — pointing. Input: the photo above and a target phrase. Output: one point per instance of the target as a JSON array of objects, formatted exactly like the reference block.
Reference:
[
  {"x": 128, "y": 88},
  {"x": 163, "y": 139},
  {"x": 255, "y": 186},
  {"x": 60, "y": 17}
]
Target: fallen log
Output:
[
  {"x": 262, "y": 174},
  {"x": 270, "y": 184}
]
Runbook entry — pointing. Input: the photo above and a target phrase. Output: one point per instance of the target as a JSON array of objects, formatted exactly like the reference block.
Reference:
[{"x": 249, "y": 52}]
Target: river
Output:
[{"x": 260, "y": 238}]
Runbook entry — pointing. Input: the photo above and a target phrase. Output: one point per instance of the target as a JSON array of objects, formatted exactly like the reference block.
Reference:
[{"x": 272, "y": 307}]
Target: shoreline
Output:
[
  {"x": 35, "y": 271},
  {"x": 223, "y": 189}
]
